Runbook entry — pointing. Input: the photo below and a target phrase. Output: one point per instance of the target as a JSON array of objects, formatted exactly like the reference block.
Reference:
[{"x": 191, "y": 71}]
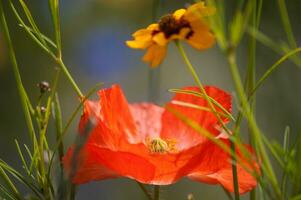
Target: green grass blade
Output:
[
  {"x": 10, "y": 184},
  {"x": 23, "y": 95},
  {"x": 274, "y": 67},
  {"x": 22, "y": 157},
  {"x": 7, "y": 193},
  {"x": 57, "y": 115},
  {"x": 286, "y": 23},
  {"x": 20, "y": 177},
  {"x": 55, "y": 13},
  {"x": 280, "y": 49}
]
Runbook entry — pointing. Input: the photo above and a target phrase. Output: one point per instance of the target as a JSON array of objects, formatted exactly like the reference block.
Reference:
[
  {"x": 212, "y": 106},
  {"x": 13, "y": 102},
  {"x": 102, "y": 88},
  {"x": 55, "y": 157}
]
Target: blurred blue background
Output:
[{"x": 94, "y": 50}]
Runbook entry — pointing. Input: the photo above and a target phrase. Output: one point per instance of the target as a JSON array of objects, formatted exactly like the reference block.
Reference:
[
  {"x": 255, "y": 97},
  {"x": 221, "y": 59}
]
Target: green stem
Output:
[
  {"x": 156, "y": 192},
  {"x": 45, "y": 122},
  {"x": 200, "y": 85},
  {"x": 250, "y": 117},
  {"x": 286, "y": 23},
  {"x": 251, "y": 72},
  {"x": 69, "y": 77},
  {"x": 234, "y": 172},
  {"x": 144, "y": 190},
  {"x": 22, "y": 92}
]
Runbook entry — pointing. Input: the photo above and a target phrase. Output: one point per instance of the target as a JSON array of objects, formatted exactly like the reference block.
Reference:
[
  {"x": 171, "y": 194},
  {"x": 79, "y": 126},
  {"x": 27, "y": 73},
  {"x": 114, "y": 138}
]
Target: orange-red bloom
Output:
[
  {"x": 148, "y": 143},
  {"x": 184, "y": 24}
]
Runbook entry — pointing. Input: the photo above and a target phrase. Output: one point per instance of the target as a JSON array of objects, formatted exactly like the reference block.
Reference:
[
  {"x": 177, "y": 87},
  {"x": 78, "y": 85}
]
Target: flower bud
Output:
[{"x": 44, "y": 87}]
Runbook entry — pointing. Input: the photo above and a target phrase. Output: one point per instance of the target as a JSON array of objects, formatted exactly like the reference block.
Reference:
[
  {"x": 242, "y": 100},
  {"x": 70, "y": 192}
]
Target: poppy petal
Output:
[
  {"x": 147, "y": 118},
  {"x": 87, "y": 168},
  {"x": 215, "y": 168},
  {"x": 174, "y": 128}
]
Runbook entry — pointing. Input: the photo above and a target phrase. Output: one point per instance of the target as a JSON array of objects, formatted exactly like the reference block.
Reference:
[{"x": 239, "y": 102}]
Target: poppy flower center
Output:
[
  {"x": 158, "y": 145},
  {"x": 169, "y": 25}
]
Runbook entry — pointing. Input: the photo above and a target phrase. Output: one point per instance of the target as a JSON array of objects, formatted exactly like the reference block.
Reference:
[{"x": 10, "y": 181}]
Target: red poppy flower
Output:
[{"x": 148, "y": 143}]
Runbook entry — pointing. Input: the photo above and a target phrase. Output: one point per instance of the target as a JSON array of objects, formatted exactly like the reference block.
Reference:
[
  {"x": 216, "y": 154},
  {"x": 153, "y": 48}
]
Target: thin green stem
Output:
[
  {"x": 57, "y": 113},
  {"x": 251, "y": 72},
  {"x": 286, "y": 23},
  {"x": 250, "y": 117},
  {"x": 156, "y": 192},
  {"x": 234, "y": 172},
  {"x": 199, "y": 83},
  {"x": 58, "y": 59},
  {"x": 23, "y": 95},
  {"x": 273, "y": 68},
  {"x": 45, "y": 122},
  {"x": 144, "y": 190},
  {"x": 69, "y": 77}
]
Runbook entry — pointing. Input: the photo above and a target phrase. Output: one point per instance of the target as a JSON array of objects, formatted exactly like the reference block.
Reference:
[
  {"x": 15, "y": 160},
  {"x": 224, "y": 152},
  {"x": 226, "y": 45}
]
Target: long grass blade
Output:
[
  {"x": 10, "y": 184},
  {"x": 55, "y": 13},
  {"x": 22, "y": 157}
]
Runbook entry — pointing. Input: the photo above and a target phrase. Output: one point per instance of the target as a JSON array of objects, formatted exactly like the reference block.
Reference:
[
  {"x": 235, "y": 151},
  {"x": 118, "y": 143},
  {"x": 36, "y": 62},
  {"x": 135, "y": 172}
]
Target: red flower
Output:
[{"x": 147, "y": 143}]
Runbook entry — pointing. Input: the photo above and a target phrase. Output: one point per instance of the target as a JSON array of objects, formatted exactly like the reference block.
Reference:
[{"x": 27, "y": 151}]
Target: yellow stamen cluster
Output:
[{"x": 158, "y": 145}]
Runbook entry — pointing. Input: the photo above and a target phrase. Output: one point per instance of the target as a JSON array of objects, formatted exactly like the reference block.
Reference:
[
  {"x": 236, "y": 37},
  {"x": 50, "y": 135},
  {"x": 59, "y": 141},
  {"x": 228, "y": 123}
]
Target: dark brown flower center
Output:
[{"x": 169, "y": 25}]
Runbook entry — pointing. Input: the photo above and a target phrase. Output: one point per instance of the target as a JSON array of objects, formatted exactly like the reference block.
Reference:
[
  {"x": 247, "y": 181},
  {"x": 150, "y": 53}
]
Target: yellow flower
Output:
[{"x": 184, "y": 24}]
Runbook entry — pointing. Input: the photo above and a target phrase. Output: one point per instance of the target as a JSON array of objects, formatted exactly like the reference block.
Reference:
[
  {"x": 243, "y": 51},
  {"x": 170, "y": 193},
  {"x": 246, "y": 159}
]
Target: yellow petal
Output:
[
  {"x": 155, "y": 55},
  {"x": 142, "y": 32},
  {"x": 181, "y": 35},
  {"x": 143, "y": 39},
  {"x": 153, "y": 27},
  {"x": 160, "y": 39},
  {"x": 179, "y": 13},
  {"x": 201, "y": 40},
  {"x": 138, "y": 44},
  {"x": 198, "y": 11}
]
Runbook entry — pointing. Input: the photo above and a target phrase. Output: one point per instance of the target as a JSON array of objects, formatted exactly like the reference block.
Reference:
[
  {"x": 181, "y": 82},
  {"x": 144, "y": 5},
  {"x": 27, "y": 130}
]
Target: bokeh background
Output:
[{"x": 94, "y": 34}]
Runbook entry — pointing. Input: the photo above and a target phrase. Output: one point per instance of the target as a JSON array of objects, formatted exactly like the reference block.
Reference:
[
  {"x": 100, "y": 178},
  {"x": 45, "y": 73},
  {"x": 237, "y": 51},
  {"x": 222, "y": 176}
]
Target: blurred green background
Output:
[{"x": 93, "y": 34}]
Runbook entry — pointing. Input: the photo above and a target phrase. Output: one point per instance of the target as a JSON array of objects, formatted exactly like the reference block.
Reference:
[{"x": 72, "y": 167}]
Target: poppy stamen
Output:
[{"x": 158, "y": 145}]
